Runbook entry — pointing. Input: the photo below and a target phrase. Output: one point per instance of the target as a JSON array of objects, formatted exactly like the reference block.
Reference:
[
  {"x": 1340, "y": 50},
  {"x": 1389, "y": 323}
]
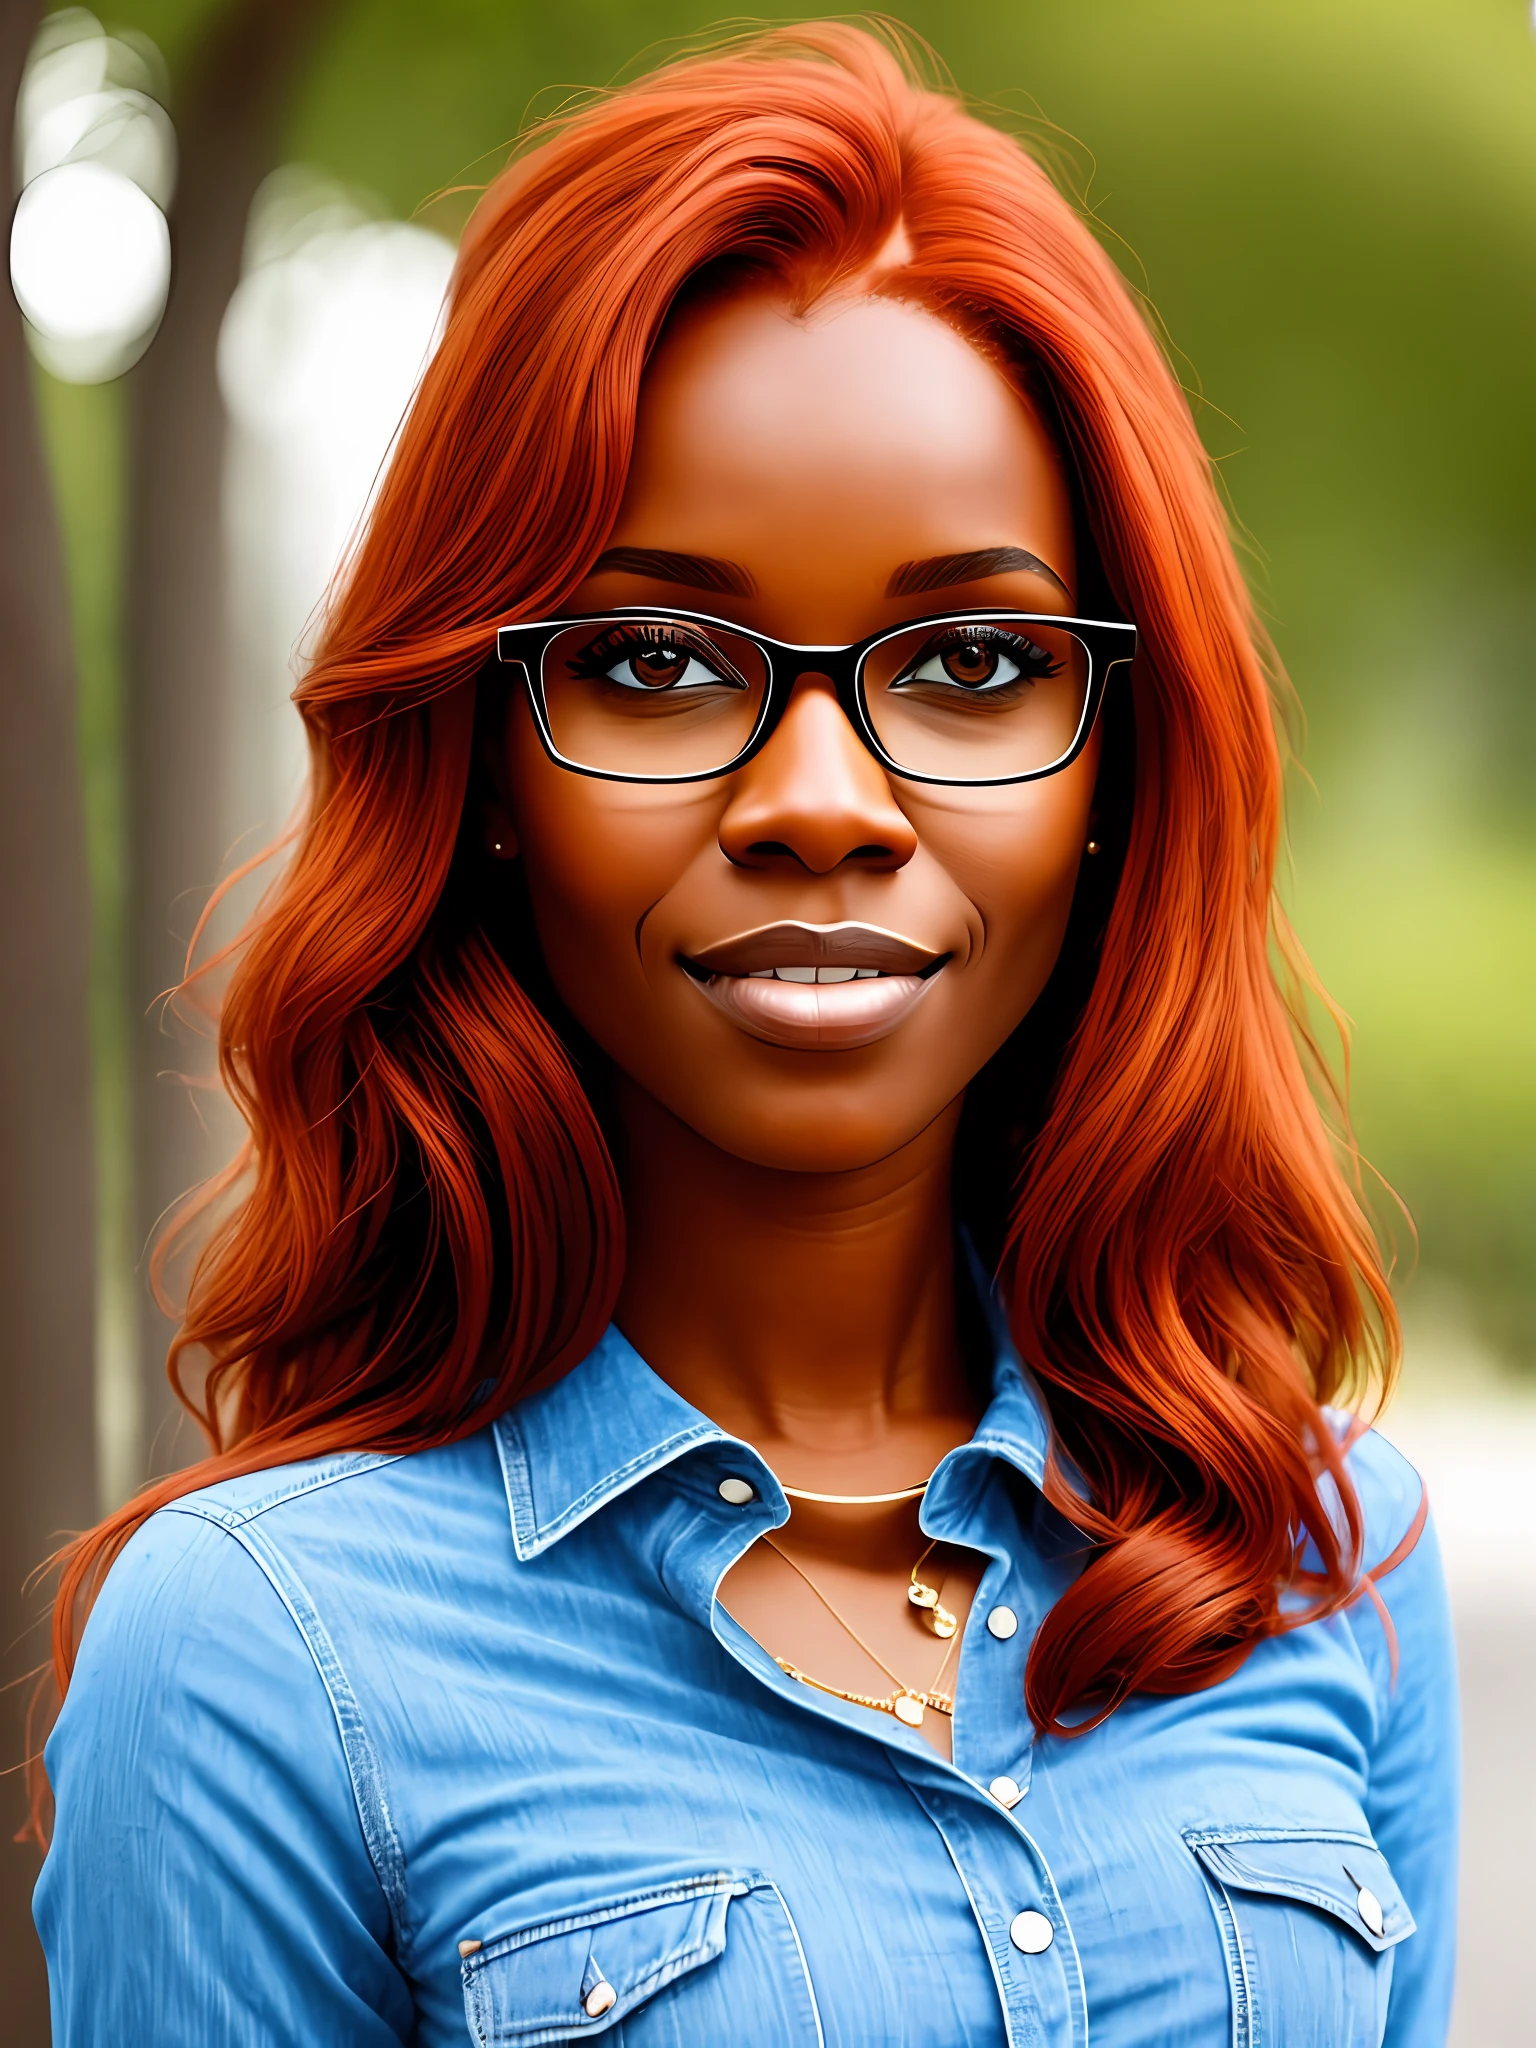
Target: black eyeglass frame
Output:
[{"x": 525, "y": 645}]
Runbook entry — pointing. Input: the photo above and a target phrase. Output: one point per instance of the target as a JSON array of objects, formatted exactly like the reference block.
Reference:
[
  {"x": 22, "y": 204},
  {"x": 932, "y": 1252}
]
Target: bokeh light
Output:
[
  {"x": 90, "y": 267},
  {"x": 121, "y": 128},
  {"x": 321, "y": 350},
  {"x": 96, "y": 161}
]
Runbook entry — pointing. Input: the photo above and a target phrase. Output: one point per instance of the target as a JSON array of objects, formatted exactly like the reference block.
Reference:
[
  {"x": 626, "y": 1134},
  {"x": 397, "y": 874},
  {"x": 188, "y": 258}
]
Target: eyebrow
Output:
[
  {"x": 940, "y": 570},
  {"x": 699, "y": 572}
]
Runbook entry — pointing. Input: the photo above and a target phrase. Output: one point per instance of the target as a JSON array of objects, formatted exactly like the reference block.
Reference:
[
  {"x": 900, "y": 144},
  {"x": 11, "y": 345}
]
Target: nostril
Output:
[{"x": 776, "y": 849}]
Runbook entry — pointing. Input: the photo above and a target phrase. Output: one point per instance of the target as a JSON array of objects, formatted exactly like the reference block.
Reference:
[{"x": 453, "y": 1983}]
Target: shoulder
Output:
[
  {"x": 1393, "y": 1502},
  {"x": 192, "y": 1679},
  {"x": 225, "y": 1584},
  {"x": 185, "y": 1620},
  {"x": 343, "y": 1525},
  {"x": 365, "y": 1490},
  {"x": 212, "y": 1803},
  {"x": 217, "y": 1679},
  {"x": 1400, "y": 1614}
]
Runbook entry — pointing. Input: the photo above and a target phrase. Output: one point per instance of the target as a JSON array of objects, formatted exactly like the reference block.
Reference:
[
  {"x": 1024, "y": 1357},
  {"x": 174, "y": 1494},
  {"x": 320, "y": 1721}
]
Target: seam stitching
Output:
[
  {"x": 363, "y": 1770},
  {"x": 237, "y": 1518},
  {"x": 710, "y": 1885}
]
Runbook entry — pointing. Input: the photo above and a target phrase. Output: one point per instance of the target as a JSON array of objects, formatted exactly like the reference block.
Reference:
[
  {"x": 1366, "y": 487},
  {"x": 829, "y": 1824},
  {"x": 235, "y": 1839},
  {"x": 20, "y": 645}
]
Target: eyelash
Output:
[
  {"x": 620, "y": 641},
  {"x": 1037, "y": 662},
  {"x": 595, "y": 661}
]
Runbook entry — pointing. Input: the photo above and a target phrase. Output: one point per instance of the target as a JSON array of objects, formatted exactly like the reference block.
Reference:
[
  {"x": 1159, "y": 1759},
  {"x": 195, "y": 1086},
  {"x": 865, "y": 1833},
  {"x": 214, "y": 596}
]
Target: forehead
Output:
[{"x": 873, "y": 421}]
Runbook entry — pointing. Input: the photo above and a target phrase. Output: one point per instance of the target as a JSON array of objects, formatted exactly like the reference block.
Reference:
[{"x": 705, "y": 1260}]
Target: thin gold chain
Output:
[
  {"x": 941, "y": 1702},
  {"x": 843, "y": 1623},
  {"x": 855, "y": 1500}
]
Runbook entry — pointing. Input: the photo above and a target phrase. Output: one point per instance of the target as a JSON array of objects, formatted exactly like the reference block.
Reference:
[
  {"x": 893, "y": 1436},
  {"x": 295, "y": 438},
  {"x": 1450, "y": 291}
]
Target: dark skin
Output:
[{"x": 790, "y": 1268}]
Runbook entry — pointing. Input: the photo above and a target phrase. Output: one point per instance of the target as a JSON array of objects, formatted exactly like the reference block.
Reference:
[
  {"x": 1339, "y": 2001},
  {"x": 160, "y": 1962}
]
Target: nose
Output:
[{"x": 815, "y": 795}]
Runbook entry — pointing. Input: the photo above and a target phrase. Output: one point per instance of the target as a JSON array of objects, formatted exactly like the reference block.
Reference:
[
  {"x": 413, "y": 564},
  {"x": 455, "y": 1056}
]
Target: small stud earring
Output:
[
  {"x": 1092, "y": 846},
  {"x": 495, "y": 846}
]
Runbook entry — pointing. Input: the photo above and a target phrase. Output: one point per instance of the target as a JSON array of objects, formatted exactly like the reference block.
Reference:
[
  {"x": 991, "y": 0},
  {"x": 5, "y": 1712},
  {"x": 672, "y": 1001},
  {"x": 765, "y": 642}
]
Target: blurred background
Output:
[{"x": 234, "y": 223}]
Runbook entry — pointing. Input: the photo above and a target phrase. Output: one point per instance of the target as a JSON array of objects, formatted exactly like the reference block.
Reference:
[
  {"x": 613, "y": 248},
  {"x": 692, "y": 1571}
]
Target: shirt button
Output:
[
  {"x": 600, "y": 1999},
  {"x": 1002, "y": 1622},
  {"x": 1031, "y": 1932},
  {"x": 737, "y": 1491},
  {"x": 1006, "y": 1791},
  {"x": 1369, "y": 1908}
]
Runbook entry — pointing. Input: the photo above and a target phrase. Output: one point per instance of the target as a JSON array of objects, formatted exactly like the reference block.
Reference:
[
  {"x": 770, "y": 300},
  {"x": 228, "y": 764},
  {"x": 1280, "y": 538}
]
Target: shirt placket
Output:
[
  {"x": 1013, "y": 1895},
  {"x": 978, "y": 1804}
]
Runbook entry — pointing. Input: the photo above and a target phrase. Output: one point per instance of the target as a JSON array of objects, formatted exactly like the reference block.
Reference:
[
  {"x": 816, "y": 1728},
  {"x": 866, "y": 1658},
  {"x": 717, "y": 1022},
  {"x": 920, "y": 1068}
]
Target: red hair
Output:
[{"x": 426, "y": 1218}]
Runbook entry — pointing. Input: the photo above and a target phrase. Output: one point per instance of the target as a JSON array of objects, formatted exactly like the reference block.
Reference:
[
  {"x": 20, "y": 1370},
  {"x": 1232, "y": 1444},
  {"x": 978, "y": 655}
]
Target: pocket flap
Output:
[
  {"x": 548, "y": 1982},
  {"x": 1345, "y": 1875}
]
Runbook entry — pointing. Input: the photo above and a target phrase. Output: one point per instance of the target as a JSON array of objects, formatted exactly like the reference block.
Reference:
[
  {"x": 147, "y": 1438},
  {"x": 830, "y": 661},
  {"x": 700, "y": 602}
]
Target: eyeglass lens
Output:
[
  {"x": 977, "y": 697},
  {"x": 965, "y": 699}
]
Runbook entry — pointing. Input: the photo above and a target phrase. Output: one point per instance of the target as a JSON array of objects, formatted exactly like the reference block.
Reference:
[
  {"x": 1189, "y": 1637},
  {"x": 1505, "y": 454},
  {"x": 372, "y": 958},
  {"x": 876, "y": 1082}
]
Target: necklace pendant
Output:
[
  {"x": 908, "y": 1709},
  {"x": 936, "y": 1616},
  {"x": 941, "y": 1621}
]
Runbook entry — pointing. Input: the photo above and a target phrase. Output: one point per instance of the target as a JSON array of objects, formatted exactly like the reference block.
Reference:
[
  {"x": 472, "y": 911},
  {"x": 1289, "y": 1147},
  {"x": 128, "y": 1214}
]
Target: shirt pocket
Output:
[
  {"x": 714, "y": 1957},
  {"x": 1309, "y": 1922}
]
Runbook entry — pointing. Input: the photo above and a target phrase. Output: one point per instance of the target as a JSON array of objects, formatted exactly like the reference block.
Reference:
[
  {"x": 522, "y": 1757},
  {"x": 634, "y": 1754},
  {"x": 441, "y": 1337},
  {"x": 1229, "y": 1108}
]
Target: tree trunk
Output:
[
  {"x": 47, "y": 1187},
  {"x": 228, "y": 115}
]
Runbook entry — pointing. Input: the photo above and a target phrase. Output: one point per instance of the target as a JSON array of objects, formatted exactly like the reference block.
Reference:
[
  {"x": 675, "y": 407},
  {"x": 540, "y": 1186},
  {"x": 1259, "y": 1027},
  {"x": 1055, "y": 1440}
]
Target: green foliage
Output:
[{"x": 1333, "y": 209}]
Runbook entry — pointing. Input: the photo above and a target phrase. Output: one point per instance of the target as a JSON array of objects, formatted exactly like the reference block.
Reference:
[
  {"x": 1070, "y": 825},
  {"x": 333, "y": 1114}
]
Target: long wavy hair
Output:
[{"x": 425, "y": 1218}]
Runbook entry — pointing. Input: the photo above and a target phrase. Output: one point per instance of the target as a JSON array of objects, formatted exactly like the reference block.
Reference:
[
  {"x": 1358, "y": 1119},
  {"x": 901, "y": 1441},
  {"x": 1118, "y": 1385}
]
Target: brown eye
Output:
[
  {"x": 971, "y": 662},
  {"x": 657, "y": 667},
  {"x": 651, "y": 662},
  {"x": 981, "y": 663}
]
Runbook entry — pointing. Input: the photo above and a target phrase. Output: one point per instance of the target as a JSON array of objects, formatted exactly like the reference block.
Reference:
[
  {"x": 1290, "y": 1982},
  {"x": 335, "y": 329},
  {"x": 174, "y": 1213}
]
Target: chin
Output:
[{"x": 794, "y": 1133}]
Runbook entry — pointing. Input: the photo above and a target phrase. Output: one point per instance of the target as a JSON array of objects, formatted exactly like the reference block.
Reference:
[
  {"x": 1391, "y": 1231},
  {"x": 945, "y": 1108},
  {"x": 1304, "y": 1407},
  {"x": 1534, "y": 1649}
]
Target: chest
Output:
[{"x": 625, "y": 1823}]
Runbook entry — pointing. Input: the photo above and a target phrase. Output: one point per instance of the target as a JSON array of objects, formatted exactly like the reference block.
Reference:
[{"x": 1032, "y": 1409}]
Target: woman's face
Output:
[{"x": 820, "y": 459}]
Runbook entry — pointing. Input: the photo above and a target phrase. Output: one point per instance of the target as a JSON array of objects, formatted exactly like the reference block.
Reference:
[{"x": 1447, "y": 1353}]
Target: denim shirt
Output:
[{"x": 461, "y": 1747}]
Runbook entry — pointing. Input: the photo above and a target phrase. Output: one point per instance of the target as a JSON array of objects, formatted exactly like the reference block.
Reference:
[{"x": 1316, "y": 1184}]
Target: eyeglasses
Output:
[{"x": 647, "y": 695}]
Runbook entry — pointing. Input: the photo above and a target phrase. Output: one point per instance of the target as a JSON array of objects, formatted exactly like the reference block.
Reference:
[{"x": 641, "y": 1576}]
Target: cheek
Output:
[
  {"x": 1014, "y": 854},
  {"x": 598, "y": 856}
]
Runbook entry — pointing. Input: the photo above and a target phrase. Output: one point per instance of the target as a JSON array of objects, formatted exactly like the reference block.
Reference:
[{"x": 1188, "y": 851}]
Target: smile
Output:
[{"x": 819, "y": 988}]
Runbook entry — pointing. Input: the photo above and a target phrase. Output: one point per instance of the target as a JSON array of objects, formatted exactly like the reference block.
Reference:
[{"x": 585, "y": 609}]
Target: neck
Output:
[{"x": 811, "y": 1314}]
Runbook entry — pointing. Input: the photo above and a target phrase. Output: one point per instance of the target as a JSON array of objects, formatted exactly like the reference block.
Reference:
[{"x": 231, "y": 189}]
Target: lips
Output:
[{"x": 824, "y": 988}]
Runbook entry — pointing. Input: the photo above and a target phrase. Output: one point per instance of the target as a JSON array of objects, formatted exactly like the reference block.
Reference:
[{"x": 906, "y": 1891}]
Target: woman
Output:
[{"x": 683, "y": 1597}]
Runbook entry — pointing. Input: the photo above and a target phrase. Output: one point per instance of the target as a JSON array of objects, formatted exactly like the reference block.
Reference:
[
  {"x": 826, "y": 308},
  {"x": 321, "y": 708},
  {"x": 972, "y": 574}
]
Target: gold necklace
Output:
[
  {"x": 905, "y": 1702},
  {"x": 854, "y": 1500},
  {"x": 925, "y": 1598}
]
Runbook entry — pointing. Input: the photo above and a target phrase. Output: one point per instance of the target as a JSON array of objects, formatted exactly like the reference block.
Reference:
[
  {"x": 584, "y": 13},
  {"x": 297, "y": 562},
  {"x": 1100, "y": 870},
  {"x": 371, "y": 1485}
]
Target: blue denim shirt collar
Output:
[{"x": 569, "y": 1449}]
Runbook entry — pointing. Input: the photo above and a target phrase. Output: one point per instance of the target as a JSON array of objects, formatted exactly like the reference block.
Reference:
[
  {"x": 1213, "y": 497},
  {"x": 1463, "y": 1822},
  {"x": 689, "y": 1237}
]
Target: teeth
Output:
[{"x": 810, "y": 974}]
